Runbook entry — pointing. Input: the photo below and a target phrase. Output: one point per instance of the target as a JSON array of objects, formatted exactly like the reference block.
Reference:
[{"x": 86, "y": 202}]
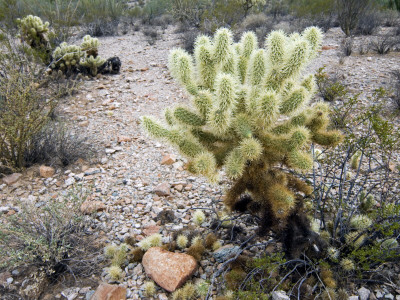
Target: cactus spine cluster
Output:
[{"x": 250, "y": 114}]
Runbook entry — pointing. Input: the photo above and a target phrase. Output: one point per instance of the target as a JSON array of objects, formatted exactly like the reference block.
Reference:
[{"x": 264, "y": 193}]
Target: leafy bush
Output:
[
  {"x": 54, "y": 238},
  {"x": 329, "y": 88}
]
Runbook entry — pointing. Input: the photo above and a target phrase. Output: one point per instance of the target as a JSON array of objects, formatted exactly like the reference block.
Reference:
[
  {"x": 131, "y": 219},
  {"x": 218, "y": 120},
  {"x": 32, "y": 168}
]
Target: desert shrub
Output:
[
  {"x": 363, "y": 48},
  {"x": 355, "y": 198},
  {"x": 350, "y": 12},
  {"x": 151, "y": 34},
  {"x": 260, "y": 24},
  {"x": 277, "y": 8},
  {"x": 239, "y": 93},
  {"x": 189, "y": 12},
  {"x": 23, "y": 113},
  {"x": 155, "y": 8},
  {"x": 55, "y": 144},
  {"x": 347, "y": 46},
  {"x": 54, "y": 238},
  {"x": 369, "y": 22},
  {"x": 330, "y": 88},
  {"x": 189, "y": 38},
  {"x": 315, "y": 13},
  {"x": 396, "y": 88},
  {"x": 383, "y": 44},
  {"x": 101, "y": 17}
]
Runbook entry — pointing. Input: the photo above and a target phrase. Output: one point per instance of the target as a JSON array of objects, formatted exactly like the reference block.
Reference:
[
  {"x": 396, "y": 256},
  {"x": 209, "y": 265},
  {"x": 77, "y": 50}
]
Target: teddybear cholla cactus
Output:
[
  {"x": 34, "y": 32},
  {"x": 250, "y": 115},
  {"x": 66, "y": 57},
  {"x": 92, "y": 63},
  {"x": 90, "y": 46}
]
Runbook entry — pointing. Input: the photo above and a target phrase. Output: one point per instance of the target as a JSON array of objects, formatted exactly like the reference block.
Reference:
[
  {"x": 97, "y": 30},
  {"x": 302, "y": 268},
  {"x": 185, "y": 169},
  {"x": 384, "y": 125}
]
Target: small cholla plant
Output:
[
  {"x": 250, "y": 116},
  {"x": 90, "y": 46},
  {"x": 93, "y": 64},
  {"x": 34, "y": 31},
  {"x": 66, "y": 57}
]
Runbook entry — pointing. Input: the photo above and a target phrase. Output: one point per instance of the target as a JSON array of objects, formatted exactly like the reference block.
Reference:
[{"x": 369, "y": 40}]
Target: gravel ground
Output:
[{"x": 124, "y": 175}]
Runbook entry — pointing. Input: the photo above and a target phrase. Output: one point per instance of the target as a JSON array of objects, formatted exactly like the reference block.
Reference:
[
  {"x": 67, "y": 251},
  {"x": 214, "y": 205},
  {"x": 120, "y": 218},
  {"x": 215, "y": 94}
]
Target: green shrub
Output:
[
  {"x": 54, "y": 238},
  {"x": 23, "y": 113},
  {"x": 329, "y": 88}
]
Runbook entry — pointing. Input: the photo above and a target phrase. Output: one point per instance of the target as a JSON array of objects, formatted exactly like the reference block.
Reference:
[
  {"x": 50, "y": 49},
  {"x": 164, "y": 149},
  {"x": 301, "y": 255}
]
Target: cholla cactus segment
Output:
[
  {"x": 115, "y": 273},
  {"x": 92, "y": 63},
  {"x": 250, "y": 111},
  {"x": 360, "y": 222},
  {"x": 154, "y": 240},
  {"x": 90, "y": 46},
  {"x": 347, "y": 264},
  {"x": 149, "y": 289},
  {"x": 66, "y": 57},
  {"x": 199, "y": 217},
  {"x": 182, "y": 241},
  {"x": 333, "y": 253}
]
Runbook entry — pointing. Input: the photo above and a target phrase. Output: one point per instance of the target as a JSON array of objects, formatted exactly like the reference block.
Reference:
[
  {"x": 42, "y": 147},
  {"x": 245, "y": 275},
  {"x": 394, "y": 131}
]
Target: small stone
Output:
[
  {"x": 4, "y": 209},
  {"x": 179, "y": 187},
  {"x": 162, "y": 189},
  {"x": 92, "y": 171},
  {"x": 225, "y": 252},
  {"x": 389, "y": 296},
  {"x": 10, "y": 280},
  {"x": 11, "y": 179},
  {"x": 364, "y": 293},
  {"x": 110, "y": 151},
  {"x": 70, "y": 181},
  {"x": 46, "y": 172},
  {"x": 168, "y": 159},
  {"x": 169, "y": 270},
  {"x": 150, "y": 230},
  {"x": 109, "y": 292},
  {"x": 353, "y": 298},
  {"x": 88, "y": 207},
  {"x": 279, "y": 295},
  {"x": 124, "y": 139}
]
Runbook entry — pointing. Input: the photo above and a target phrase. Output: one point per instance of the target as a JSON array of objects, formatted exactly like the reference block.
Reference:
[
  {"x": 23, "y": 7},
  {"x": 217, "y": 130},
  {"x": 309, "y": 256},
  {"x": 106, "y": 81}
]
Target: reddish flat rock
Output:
[
  {"x": 109, "y": 292},
  {"x": 169, "y": 270},
  {"x": 162, "y": 189},
  {"x": 46, "y": 172},
  {"x": 168, "y": 159},
  {"x": 11, "y": 179}
]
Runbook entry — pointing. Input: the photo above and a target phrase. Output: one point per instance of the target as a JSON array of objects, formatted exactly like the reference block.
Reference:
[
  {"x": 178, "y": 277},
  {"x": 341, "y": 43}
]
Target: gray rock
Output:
[
  {"x": 225, "y": 252},
  {"x": 163, "y": 189},
  {"x": 70, "y": 181},
  {"x": 4, "y": 209},
  {"x": 353, "y": 298},
  {"x": 89, "y": 295},
  {"x": 279, "y": 295},
  {"x": 364, "y": 293},
  {"x": 389, "y": 296},
  {"x": 11, "y": 179}
]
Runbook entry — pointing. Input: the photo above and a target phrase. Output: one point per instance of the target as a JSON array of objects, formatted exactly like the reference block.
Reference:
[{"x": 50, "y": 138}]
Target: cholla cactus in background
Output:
[
  {"x": 34, "y": 32},
  {"x": 66, "y": 57},
  {"x": 92, "y": 63},
  {"x": 250, "y": 115},
  {"x": 90, "y": 46}
]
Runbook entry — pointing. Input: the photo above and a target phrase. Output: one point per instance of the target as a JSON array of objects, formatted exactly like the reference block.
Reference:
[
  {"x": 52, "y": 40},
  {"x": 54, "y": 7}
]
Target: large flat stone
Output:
[
  {"x": 169, "y": 270},
  {"x": 11, "y": 179}
]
